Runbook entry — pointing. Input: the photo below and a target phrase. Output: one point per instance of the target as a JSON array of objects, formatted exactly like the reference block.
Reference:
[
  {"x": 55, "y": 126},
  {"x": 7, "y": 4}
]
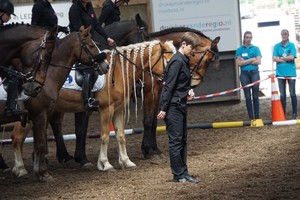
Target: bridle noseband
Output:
[{"x": 198, "y": 65}]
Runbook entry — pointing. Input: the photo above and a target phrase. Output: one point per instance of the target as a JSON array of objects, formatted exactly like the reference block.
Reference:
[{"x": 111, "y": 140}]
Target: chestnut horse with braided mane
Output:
[{"x": 75, "y": 47}]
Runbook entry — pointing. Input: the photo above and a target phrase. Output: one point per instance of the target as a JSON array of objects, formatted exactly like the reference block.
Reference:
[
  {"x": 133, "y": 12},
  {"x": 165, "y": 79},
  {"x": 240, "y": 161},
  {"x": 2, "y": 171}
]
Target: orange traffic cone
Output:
[
  {"x": 111, "y": 127},
  {"x": 277, "y": 110}
]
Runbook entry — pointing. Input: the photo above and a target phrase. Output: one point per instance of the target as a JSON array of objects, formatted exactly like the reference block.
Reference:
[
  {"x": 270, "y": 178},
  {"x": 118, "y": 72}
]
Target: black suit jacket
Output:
[{"x": 176, "y": 84}]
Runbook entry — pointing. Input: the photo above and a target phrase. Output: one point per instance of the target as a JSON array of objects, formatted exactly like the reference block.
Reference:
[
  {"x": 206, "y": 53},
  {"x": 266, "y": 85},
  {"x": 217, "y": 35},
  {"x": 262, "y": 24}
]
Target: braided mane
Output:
[
  {"x": 11, "y": 25},
  {"x": 176, "y": 29}
]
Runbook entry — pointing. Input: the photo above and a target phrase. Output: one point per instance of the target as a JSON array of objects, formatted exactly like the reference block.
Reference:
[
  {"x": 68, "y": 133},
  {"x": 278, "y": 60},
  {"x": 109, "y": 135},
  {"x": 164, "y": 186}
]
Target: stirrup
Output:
[
  {"x": 93, "y": 102},
  {"x": 15, "y": 112},
  {"x": 92, "y": 105}
]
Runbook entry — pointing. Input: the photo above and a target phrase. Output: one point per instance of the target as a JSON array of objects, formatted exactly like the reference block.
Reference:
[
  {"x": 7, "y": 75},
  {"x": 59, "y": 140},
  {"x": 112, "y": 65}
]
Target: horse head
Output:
[
  {"x": 31, "y": 51},
  {"x": 90, "y": 56},
  {"x": 200, "y": 61},
  {"x": 35, "y": 77},
  {"x": 142, "y": 27}
]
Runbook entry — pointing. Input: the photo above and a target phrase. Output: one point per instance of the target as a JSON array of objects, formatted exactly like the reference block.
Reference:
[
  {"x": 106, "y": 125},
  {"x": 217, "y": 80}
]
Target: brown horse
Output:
[
  {"x": 127, "y": 65},
  {"x": 33, "y": 46},
  {"x": 73, "y": 48},
  {"x": 152, "y": 89}
]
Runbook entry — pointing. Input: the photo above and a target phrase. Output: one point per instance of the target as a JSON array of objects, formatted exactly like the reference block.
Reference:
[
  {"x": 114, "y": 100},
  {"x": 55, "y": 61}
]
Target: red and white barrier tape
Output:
[{"x": 231, "y": 91}]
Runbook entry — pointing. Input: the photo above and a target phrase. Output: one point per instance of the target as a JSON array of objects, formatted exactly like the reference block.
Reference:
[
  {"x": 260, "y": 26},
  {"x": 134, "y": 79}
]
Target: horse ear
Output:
[
  {"x": 215, "y": 42},
  {"x": 89, "y": 28},
  {"x": 138, "y": 19}
]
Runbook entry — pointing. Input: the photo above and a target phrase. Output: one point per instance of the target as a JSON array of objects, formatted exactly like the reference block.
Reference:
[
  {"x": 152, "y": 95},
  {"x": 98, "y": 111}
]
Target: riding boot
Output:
[
  {"x": 90, "y": 103},
  {"x": 12, "y": 108}
]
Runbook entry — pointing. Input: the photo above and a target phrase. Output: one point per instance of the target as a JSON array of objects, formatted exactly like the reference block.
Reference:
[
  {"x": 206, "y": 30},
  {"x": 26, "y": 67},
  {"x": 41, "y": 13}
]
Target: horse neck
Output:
[
  {"x": 123, "y": 33},
  {"x": 63, "y": 58},
  {"x": 14, "y": 39}
]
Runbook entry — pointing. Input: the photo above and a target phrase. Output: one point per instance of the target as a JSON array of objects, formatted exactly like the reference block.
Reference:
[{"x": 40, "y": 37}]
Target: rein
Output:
[{"x": 196, "y": 67}]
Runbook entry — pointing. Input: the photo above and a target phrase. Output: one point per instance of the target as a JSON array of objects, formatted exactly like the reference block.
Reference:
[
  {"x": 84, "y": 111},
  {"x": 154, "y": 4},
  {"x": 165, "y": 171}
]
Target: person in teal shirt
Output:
[
  {"x": 248, "y": 58},
  {"x": 284, "y": 55}
]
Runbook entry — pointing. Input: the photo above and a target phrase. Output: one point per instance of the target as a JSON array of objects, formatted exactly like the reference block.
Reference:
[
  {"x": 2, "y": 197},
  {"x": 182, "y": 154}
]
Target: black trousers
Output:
[{"x": 176, "y": 125}]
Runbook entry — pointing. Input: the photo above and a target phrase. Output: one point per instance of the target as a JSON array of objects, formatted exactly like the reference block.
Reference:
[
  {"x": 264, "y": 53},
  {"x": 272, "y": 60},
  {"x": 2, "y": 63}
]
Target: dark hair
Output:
[
  {"x": 191, "y": 38},
  {"x": 246, "y": 33}
]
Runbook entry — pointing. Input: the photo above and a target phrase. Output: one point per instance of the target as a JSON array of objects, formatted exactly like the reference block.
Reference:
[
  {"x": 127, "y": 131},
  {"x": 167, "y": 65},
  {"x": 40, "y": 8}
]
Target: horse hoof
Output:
[
  {"x": 47, "y": 178},
  {"x": 129, "y": 164},
  {"x": 105, "y": 168},
  {"x": 8, "y": 169},
  {"x": 65, "y": 158},
  {"x": 19, "y": 172},
  {"x": 88, "y": 165}
]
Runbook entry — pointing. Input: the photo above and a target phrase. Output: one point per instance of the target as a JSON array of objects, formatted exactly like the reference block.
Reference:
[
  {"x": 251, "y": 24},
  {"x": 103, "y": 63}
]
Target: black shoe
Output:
[
  {"x": 180, "y": 180},
  {"x": 15, "y": 112},
  {"x": 191, "y": 179}
]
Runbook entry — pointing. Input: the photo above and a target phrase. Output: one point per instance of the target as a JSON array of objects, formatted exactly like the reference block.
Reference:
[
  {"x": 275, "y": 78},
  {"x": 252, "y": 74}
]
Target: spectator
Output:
[
  {"x": 284, "y": 55},
  {"x": 248, "y": 58}
]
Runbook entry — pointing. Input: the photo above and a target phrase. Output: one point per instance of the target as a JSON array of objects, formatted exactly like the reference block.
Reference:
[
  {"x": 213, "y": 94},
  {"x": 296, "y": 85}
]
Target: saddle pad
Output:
[
  {"x": 70, "y": 83},
  {"x": 3, "y": 94}
]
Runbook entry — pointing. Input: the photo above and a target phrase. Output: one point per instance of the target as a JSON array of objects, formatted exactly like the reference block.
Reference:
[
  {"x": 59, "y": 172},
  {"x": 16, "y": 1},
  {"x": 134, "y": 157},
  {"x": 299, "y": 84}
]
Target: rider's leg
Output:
[
  {"x": 90, "y": 103},
  {"x": 12, "y": 107}
]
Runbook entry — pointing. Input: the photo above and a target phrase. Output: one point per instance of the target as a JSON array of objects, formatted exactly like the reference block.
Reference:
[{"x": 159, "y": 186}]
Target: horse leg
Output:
[
  {"x": 118, "y": 121},
  {"x": 40, "y": 172},
  {"x": 3, "y": 165},
  {"x": 151, "y": 100},
  {"x": 105, "y": 120},
  {"x": 81, "y": 125},
  {"x": 62, "y": 154},
  {"x": 18, "y": 136}
]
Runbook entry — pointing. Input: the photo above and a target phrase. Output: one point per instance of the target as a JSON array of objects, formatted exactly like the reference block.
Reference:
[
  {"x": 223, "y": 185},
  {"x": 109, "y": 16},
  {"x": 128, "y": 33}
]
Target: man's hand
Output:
[
  {"x": 161, "y": 115},
  {"x": 191, "y": 94}
]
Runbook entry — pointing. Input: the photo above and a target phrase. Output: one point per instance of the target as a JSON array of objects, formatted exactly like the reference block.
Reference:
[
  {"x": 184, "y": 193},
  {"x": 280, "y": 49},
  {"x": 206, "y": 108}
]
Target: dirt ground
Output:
[{"x": 231, "y": 163}]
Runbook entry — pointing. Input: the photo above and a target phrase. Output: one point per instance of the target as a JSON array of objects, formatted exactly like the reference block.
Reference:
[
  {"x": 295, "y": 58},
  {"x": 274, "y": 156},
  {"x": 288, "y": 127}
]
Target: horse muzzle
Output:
[
  {"x": 103, "y": 67},
  {"x": 100, "y": 57},
  {"x": 32, "y": 88}
]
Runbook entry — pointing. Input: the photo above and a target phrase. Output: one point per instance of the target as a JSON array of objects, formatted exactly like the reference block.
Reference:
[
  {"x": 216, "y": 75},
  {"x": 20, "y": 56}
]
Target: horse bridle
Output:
[
  {"x": 83, "y": 47},
  {"x": 198, "y": 65},
  {"x": 141, "y": 29},
  {"x": 92, "y": 57},
  {"x": 30, "y": 76}
]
